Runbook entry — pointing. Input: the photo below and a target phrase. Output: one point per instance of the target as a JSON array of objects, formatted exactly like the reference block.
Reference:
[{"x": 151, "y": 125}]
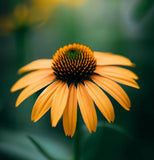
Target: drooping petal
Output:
[
  {"x": 28, "y": 91},
  {"x": 114, "y": 70},
  {"x": 44, "y": 101},
  {"x": 31, "y": 78},
  {"x": 70, "y": 112},
  {"x": 87, "y": 108},
  {"x": 37, "y": 64},
  {"x": 114, "y": 90},
  {"x": 101, "y": 100},
  {"x": 122, "y": 79},
  {"x": 66, "y": 122},
  {"x": 59, "y": 103},
  {"x": 111, "y": 59}
]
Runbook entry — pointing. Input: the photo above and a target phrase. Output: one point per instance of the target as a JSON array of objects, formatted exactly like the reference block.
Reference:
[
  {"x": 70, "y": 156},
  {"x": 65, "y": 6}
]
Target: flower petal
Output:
[
  {"x": 87, "y": 108},
  {"x": 59, "y": 103},
  {"x": 66, "y": 122},
  {"x": 43, "y": 102},
  {"x": 28, "y": 91},
  {"x": 114, "y": 90},
  {"x": 116, "y": 71},
  {"x": 101, "y": 100},
  {"x": 121, "y": 79},
  {"x": 112, "y": 59},
  {"x": 70, "y": 112},
  {"x": 30, "y": 78},
  {"x": 37, "y": 64}
]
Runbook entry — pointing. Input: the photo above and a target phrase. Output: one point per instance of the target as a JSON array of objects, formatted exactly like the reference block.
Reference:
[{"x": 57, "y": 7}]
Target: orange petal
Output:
[
  {"x": 43, "y": 102},
  {"x": 59, "y": 103},
  {"x": 28, "y": 91},
  {"x": 121, "y": 79},
  {"x": 101, "y": 100},
  {"x": 37, "y": 64},
  {"x": 70, "y": 112},
  {"x": 112, "y": 59},
  {"x": 30, "y": 78},
  {"x": 114, "y": 90},
  {"x": 66, "y": 122},
  {"x": 87, "y": 108},
  {"x": 112, "y": 70}
]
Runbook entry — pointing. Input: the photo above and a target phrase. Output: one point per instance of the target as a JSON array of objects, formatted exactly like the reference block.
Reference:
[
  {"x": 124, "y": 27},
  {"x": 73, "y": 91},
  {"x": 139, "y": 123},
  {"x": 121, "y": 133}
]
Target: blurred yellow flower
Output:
[
  {"x": 23, "y": 16},
  {"x": 35, "y": 12},
  {"x": 49, "y": 3},
  {"x": 76, "y": 75}
]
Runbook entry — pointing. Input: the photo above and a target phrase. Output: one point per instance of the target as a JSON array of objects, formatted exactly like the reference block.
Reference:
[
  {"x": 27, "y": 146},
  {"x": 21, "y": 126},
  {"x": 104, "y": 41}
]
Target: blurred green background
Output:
[{"x": 30, "y": 31}]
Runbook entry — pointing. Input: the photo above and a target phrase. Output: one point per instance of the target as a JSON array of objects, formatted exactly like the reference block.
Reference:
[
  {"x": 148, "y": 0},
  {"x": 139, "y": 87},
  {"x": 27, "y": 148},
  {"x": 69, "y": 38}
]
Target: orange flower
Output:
[{"x": 76, "y": 75}]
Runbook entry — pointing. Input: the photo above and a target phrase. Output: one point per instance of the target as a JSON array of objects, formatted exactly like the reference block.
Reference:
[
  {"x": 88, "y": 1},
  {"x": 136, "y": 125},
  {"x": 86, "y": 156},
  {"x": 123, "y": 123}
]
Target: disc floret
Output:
[{"x": 74, "y": 63}]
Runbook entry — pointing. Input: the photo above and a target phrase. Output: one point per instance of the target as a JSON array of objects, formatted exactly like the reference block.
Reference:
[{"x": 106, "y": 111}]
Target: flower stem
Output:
[
  {"x": 77, "y": 139},
  {"x": 21, "y": 47}
]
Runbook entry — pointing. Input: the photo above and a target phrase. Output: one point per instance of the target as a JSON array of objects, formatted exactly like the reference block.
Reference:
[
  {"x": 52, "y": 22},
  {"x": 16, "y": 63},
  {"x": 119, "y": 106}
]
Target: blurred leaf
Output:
[
  {"x": 15, "y": 144},
  {"x": 112, "y": 126},
  {"x": 109, "y": 138},
  {"x": 58, "y": 147},
  {"x": 40, "y": 148},
  {"x": 115, "y": 127},
  {"x": 14, "y": 152}
]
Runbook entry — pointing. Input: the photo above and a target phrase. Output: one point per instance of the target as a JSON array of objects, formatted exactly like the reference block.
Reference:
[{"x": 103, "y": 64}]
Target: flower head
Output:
[{"x": 76, "y": 76}]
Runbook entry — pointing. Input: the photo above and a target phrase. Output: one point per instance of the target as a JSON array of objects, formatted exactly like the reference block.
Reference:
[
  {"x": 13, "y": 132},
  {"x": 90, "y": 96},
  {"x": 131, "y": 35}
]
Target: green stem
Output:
[
  {"x": 21, "y": 47},
  {"x": 77, "y": 139}
]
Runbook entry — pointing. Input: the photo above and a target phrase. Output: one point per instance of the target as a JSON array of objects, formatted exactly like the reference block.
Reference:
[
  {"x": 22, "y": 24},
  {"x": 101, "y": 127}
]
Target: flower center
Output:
[{"x": 74, "y": 63}]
